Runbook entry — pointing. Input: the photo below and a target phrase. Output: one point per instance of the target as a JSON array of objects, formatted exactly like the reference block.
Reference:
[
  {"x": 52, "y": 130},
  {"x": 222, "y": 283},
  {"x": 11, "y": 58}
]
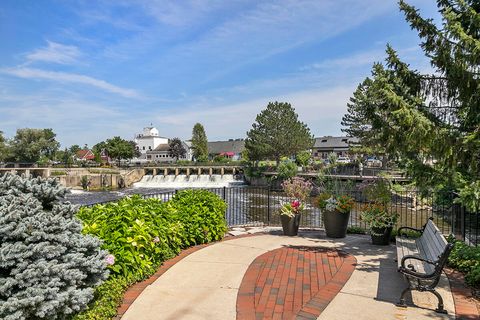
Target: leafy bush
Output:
[
  {"x": 138, "y": 232},
  {"x": 287, "y": 169},
  {"x": 466, "y": 259},
  {"x": 142, "y": 233},
  {"x": 48, "y": 269},
  {"x": 202, "y": 214}
]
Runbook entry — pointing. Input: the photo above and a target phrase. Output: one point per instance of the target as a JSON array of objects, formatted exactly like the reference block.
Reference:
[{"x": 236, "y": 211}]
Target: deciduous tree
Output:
[
  {"x": 30, "y": 145},
  {"x": 177, "y": 149}
]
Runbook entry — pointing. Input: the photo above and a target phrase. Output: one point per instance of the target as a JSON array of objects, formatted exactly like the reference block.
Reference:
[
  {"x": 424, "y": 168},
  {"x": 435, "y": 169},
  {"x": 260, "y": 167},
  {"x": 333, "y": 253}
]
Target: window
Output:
[
  {"x": 324, "y": 140},
  {"x": 143, "y": 147}
]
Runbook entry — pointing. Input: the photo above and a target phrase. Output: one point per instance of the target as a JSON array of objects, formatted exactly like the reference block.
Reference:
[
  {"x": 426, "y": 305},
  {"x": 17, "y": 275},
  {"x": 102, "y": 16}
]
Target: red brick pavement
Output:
[
  {"x": 293, "y": 282},
  {"x": 466, "y": 308}
]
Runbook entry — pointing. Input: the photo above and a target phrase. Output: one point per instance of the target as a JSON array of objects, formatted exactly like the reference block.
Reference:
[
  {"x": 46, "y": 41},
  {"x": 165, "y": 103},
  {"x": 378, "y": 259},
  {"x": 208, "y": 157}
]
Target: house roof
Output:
[
  {"x": 217, "y": 147},
  {"x": 334, "y": 142},
  {"x": 162, "y": 147},
  {"x": 85, "y": 154}
]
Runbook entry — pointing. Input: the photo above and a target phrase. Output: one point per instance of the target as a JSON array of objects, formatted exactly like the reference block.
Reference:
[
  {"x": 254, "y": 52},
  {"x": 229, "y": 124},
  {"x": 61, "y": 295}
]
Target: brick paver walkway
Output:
[{"x": 293, "y": 282}]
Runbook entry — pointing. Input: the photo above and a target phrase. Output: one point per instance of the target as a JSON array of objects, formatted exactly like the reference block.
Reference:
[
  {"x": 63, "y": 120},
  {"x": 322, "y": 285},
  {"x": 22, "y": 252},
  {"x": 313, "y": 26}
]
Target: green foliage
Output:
[
  {"x": 139, "y": 233},
  {"x": 469, "y": 196},
  {"x": 202, "y": 214},
  {"x": 199, "y": 143},
  {"x": 29, "y": 145},
  {"x": 297, "y": 188},
  {"x": 466, "y": 259},
  {"x": 4, "y": 150},
  {"x": 220, "y": 159},
  {"x": 118, "y": 148},
  {"x": 303, "y": 158},
  {"x": 277, "y": 132},
  {"x": 414, "y": 117},
  {"x": 58, "y": 173},
  {"x": 287, "y": 169},
  {"x": 177, "y": 150},
  {"x": 376, "y": 215},
  {"x": 48, "y": 269},
  {"x": 356, "y": 230},
  {"x": 142, "y": 233}
]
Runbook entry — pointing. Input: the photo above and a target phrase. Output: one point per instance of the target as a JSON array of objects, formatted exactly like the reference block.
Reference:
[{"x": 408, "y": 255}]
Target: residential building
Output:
[
  {"x": 149, "y": 140},
  {"x": 232, "y": 148},
  {"x": 339, "y": 145},
  {"x": 85, "y": 155}
]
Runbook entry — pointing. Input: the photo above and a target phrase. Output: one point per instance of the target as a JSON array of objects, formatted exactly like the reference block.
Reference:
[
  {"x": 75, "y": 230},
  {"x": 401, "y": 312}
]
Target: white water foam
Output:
[{"x": 184, "y": 181}]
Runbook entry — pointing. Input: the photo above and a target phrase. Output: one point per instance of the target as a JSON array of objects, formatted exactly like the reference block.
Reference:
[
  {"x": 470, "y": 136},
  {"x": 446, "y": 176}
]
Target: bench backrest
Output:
[{"x": 433, "y": 246}]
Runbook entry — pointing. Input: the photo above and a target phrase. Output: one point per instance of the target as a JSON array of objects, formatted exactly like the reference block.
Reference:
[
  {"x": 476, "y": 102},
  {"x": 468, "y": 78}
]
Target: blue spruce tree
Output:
[{"x": 48, "y": 268}]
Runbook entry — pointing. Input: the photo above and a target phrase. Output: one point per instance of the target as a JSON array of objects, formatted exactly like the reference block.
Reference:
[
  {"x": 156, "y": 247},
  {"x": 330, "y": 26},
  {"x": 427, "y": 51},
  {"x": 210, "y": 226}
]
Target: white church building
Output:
[{"x": 149, "y": 140}]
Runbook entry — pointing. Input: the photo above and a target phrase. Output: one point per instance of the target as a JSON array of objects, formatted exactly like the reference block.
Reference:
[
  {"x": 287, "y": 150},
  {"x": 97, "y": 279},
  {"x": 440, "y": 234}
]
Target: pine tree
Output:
[
  {"x": 48, "y": 269},
  {"x": 276, "y": 133},
  {"x": 429, "y": 122},
  {"x": 199, "y": 142}
]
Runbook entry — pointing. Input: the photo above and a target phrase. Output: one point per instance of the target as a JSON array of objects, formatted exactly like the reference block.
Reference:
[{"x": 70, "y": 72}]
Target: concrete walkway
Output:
[{"x": 205, "y": 284}]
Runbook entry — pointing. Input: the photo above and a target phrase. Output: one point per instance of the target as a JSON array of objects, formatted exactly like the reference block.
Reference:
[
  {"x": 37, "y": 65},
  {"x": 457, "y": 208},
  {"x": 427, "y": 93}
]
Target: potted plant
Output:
[
  {"x": 380, "y": 222},
  {"x": 375, "y": 212},
  {"x": 297, "y": 190},
  {"x": 335, "y": 213}
]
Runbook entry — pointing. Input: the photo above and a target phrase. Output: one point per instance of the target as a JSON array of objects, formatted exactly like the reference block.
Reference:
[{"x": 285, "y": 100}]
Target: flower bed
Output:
[{"x": 142, "y": 233}]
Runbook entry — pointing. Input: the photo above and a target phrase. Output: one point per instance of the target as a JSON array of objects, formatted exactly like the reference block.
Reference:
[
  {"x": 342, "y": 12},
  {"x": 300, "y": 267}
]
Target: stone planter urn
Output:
[
  {"x": 290, "y": 224},
  {"x": 335, "y": 223}
]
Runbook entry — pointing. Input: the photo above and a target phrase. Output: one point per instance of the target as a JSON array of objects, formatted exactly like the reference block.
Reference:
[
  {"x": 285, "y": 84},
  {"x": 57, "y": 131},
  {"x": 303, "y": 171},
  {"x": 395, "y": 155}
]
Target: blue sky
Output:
[{"x": 95, "y": 69}]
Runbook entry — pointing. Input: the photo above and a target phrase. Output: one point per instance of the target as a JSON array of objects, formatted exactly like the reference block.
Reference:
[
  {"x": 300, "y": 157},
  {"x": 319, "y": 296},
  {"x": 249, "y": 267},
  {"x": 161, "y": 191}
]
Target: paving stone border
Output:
[{"x": 466, "y": 307}]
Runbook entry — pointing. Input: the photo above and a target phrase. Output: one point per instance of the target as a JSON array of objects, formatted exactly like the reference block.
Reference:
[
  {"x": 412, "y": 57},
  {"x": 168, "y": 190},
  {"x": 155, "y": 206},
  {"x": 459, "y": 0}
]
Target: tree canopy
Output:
[
  {"x": 277, "y": 133},
  {"x": 30, "y": 145},
  {"x": 199, "y": 142},
  {"x": 4, "y": 152},
  {"x": 117, "y": 148},
  {"x": 177, "y": 150},
  {"x": 429, "y": 123}
]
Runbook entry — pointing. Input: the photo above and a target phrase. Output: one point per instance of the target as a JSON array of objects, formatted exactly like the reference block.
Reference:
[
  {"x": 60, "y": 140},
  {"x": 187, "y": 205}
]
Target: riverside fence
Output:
[{"x": 254, "y": 206}]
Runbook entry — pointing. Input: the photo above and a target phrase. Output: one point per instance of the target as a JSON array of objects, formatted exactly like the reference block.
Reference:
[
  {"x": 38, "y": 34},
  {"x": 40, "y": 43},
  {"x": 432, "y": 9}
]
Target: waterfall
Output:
[{"x": 184, "y": 181}]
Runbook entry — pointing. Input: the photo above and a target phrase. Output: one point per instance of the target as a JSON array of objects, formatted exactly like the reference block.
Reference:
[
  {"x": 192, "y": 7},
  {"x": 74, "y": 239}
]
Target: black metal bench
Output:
[{"x": 421, "y": 260}]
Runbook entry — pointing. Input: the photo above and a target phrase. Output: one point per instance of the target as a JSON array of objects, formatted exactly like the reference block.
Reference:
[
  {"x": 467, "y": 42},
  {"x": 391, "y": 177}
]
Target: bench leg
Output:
[
  {"x": 440, "y": 308},
  {"x": 402, "y": 302}
]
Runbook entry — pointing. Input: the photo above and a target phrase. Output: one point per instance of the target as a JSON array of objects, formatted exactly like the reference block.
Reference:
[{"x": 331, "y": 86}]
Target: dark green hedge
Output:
[{"x": 142, "y": 233}]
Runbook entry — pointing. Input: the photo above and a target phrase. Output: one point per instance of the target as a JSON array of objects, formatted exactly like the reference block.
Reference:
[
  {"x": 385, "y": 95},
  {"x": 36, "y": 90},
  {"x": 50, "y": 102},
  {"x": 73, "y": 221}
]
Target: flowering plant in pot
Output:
[
  {"x": 380, "y": 222},
  {"x": 375, "y": 213},
  {"x": 335, "y": 213},
  {"x": 297, "y": 190}
]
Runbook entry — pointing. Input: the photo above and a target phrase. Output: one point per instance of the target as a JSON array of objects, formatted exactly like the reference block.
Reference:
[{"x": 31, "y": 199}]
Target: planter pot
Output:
[
  {"x": 335, "y": 223},
  {"x": 290, "y": 224},
  {"x": 381, "y": 236}
]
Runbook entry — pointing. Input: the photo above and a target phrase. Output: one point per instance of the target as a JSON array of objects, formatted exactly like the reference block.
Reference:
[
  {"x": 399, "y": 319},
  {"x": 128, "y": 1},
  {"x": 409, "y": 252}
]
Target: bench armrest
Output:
[
  {"x": 399, "y": 232},
  {"x": 414, "y": 274},
  {"x": 416, "y": 258}
]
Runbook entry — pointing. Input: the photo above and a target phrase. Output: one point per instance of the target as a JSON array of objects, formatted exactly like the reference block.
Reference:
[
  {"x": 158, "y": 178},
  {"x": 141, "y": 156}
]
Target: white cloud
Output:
[
  {"x": 32, "y": 73},
  {"x": 56, "y": 53}
]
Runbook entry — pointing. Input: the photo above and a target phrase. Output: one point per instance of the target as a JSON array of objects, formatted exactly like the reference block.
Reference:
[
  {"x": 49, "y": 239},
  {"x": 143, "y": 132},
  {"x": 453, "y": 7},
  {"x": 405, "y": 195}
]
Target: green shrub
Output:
[
  {"x": 287, "y": 169},
  {"x": 139, "y": 232},
  {"x": 466, "y": 259},
  {"x": 58, "y": 173},
  {"x": 142, "y": 233},
  {"x": 202, "y": 214}
]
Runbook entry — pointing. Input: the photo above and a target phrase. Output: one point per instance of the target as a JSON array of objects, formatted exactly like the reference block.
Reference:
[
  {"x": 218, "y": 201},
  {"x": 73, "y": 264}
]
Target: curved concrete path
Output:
[{"x": 204, "y": 285}]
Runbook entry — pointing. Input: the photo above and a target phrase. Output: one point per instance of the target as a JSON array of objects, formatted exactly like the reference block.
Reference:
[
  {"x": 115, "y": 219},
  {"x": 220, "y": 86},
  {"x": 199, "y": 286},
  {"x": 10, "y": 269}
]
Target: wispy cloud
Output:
[
  {"x": 56, "y": 53},
  {"x": 32, "y": 73}
]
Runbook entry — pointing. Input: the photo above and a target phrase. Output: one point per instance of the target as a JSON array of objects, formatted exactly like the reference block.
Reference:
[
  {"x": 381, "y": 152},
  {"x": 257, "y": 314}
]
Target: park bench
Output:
[{"x": 421, "y": 260}]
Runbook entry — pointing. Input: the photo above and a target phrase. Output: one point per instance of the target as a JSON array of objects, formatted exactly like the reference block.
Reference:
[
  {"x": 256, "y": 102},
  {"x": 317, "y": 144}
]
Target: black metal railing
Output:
[{"x": 257, "y": 206}]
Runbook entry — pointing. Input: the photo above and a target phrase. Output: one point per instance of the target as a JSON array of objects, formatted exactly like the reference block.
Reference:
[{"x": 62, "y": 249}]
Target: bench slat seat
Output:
[{"x": 421, "y": 260}]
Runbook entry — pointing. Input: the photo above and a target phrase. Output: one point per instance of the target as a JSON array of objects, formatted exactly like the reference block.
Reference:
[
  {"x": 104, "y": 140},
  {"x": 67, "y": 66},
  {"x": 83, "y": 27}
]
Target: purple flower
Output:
[
  {"x": 110, "y": 259},
  {"x": 156, "y": 240}
]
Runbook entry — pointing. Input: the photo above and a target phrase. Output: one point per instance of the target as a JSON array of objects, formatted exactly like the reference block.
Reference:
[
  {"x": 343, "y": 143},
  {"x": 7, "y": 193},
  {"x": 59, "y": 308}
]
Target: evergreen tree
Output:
[
  {"x": 199, "y": 142},
  {"x": 4, "y": 152},
  {"x": 277, "y": 133},
  {"x": 429, "y": 123},
  {"x": 48, "y": 269},
  {"x": 177, "y": 149}
]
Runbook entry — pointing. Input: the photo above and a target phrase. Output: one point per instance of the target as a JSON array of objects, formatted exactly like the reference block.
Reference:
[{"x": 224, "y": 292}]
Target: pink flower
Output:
[
  {"x": 110, "y": 259},
  {"x": 156, "y": 240},
  {"x": 295, "y": 204}
]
